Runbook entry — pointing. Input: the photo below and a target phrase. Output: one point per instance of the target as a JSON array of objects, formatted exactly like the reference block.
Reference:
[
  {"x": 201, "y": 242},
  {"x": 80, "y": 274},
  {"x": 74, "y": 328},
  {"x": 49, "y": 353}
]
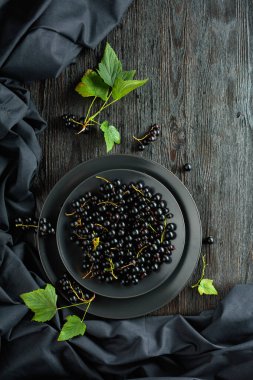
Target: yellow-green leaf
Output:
[
  {"x": 92, "y": 85},
  {"x": 206, "y": 287},
  {"x": 95, "y": 242},
  {"x": 73, "y": 327},
  {"x": 122, "y": 87},
  {"x": 42, "y": 302}
]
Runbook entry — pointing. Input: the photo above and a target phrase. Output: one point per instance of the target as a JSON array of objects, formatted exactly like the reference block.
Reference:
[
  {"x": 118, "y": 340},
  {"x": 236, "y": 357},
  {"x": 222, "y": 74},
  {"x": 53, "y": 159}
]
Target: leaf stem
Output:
[
  {"x": 203, "y": 272},
  {"x": 108, "y": 97},
  {"x": 96, "y": 122},
  {"x": 89, "y": 109},
  {"x": 102, "y": 108},
  {"x": 87, "y": 308},
  {"x": 76, "y": 304}
]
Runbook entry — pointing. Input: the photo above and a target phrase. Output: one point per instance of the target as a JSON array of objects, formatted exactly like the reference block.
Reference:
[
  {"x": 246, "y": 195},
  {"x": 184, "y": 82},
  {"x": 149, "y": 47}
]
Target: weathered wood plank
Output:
[{"x": 198, "y": 55}]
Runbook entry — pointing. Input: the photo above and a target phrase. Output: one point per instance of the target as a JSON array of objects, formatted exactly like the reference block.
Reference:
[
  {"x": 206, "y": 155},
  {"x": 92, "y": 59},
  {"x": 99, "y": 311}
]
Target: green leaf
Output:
[
  {"x": 104, "y": 126},
  {"x": 110, "y": 66},
  {"x": 73, "y": 327},
  {"x": 42, "y": 302},
  {"x": 123, "y": 87},
  {"x": 92, "y": 85},
  {"x": 111, "y": 135},
  {"x": 206, "y": 287},
  {"x": 127, "y": 75}
]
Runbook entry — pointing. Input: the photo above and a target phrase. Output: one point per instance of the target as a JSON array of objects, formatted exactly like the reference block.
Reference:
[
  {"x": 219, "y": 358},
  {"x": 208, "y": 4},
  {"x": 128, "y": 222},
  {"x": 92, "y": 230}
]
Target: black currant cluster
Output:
[
  {"x": 149, "y": 137},
  {"x": 73, "y": 291},
  {"x": 43, "y": 226},
  {"x": 74, "y": 123},
  {"x": 123, "y": 231}
]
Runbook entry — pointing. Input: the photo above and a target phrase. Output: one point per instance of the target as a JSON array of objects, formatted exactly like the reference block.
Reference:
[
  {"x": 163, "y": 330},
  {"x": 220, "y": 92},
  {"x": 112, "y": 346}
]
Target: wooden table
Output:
[{"x": 197, "y": 54}]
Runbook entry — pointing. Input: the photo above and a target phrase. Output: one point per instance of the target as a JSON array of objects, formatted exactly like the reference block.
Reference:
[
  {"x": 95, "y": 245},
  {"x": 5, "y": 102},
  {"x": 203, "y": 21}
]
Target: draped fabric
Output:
[{"x": 217, "y": 344}]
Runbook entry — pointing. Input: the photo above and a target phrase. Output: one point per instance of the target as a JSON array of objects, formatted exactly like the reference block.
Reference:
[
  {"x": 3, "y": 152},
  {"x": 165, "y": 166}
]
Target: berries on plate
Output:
[{"x": 124, "y": 231}]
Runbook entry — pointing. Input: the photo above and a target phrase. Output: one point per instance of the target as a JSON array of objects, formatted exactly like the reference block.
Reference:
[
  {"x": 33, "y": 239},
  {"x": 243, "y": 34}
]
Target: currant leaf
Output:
[
  {"x": 92, "y": 85},
  {"x": 110, "y": 66},
  {"x": 127, "y": 75},
  {"x": 122, "y": 87},
  {"x": 206, "y": 287},
  {"x": 73, "y": 327},
  {"x": 42, "y": 302}
]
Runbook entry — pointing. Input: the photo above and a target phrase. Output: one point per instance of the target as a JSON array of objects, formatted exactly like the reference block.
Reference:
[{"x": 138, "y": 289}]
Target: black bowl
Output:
[{"x": 71, "y": 254}]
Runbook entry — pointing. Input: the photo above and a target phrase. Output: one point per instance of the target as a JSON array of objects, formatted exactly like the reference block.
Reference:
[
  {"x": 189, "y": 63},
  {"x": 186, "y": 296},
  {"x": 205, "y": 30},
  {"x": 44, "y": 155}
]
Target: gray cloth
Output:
[{"x": 38, "y": 39}]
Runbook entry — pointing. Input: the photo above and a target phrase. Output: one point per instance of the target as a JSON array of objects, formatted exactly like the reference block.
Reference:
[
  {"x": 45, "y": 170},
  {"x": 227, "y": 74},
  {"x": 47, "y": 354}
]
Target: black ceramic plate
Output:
[
  {"x": 71, "y": 254},
  {"x": 136, "y": 306}
]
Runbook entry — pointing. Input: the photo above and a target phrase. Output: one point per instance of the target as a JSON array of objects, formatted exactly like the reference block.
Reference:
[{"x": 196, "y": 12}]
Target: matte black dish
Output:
[
  {"x": 71, "y": 254},
  {"x": 136, "y": 306}
]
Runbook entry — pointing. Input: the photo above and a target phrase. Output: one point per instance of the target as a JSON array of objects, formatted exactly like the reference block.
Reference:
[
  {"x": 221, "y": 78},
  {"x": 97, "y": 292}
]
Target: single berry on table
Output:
[
  {"x": 187, "y": 167},
  {"x": 209, "y": 240}
]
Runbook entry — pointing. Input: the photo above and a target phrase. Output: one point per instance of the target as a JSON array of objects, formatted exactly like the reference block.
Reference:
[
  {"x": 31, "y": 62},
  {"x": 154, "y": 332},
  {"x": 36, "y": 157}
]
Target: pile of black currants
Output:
[
  {"x": 73, "y": 291},
  {"x": 74, "y": 123},
  {"x": 149, "y": 137},
  {"x": 124, "y": 232},
  {"x": 42, "y": 226}
]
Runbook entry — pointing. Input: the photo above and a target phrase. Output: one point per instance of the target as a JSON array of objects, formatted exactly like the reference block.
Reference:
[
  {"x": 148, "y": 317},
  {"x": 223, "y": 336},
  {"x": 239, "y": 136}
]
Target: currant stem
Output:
[
  {"x": 138, "y": 253},
  {"x": 126, "y": 266},
  {"x": 104, "y": 179},
  {"x": 137, "y": 190},
  {"x": 108, "y": 203},
  {"x": 164, "y": 230},
  {"x": 70, "y": 214},
  {"x": 87, "y": 274},
  {"x": 137, "y": 139},
  {"x": 76, "y": 122},
  {"x": 26, "y": 225}
]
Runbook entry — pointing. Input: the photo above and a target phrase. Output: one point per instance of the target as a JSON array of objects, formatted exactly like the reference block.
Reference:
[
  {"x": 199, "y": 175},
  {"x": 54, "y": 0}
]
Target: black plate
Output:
[
  {"x": 137, "y": 306},
  {"x": 71, "y": 254}
]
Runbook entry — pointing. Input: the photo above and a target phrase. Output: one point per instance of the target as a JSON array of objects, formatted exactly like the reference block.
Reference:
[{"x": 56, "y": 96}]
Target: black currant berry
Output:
[
  {"x": 187, "y": 167},
  {"x": 209, "y": 240}
]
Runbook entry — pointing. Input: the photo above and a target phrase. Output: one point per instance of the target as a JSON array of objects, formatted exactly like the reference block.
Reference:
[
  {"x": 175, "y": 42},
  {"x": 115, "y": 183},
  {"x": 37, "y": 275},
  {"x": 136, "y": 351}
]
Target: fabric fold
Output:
[{"x": 47, "y": 36}]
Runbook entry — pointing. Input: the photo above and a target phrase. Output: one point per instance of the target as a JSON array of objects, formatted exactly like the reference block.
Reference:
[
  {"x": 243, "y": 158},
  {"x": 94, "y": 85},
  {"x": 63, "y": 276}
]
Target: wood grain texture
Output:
[{"x": 197, "y": 54}]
